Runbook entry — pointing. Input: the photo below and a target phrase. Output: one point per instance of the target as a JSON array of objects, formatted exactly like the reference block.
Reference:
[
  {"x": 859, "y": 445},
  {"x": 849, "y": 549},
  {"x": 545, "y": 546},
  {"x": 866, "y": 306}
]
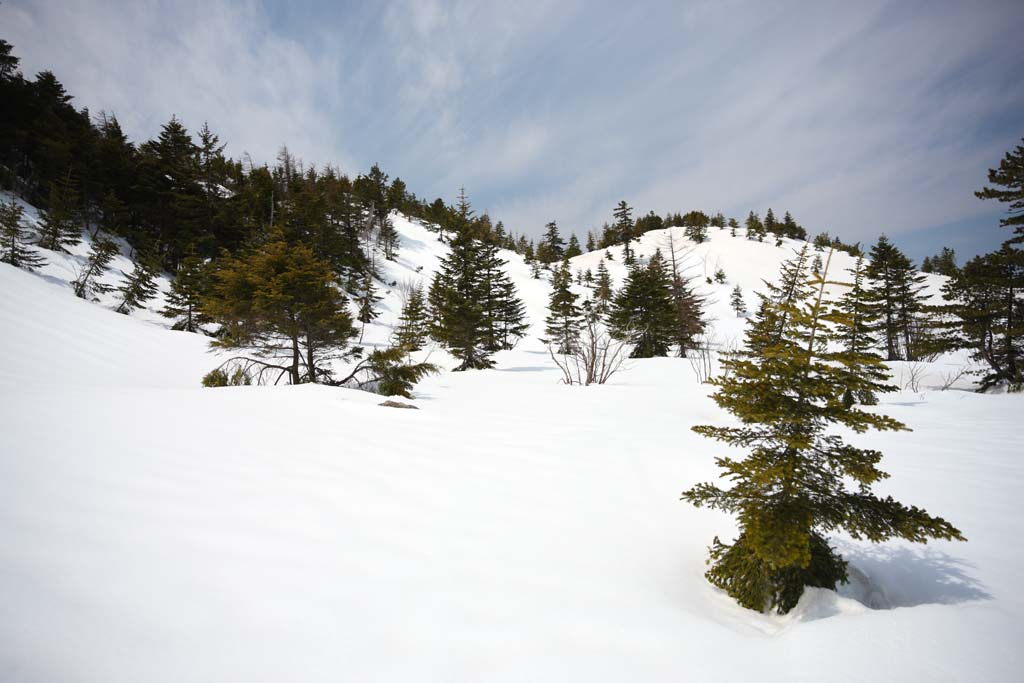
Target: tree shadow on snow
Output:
[
  {"x": 886, "y": 577},
  {"x": 526, "y": 368}
]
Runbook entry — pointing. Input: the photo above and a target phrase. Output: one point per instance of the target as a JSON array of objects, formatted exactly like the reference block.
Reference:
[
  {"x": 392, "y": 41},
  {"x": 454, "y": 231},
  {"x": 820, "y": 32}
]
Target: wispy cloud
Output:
[{"x": 858, "y": 117}]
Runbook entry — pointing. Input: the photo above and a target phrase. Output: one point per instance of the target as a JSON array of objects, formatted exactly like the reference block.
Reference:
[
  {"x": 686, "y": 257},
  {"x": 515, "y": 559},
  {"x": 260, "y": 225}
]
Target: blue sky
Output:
[{"x": 859, "y": 118}]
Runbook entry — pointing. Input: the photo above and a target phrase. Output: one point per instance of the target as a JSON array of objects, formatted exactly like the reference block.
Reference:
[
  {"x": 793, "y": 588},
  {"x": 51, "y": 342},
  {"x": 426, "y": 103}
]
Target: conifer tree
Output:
[
  {"x": 1009, "y": 189},
  {"x": 855, "y": 319},
  {"x": 87, "y": 285},
  {"x": 643, "y": 312},
  {"x": 139, "y": 286},
  {"x": 623, "y": 230},
  {"x": 790, "y": 491},
  {"x": 510, "y": 314},
  {"x": 366, "y": 303},
  {"x": 184, "y": 300},
  {"x": 551, "y": 248},
  {"x": 770, "y": 224},
  {"x": 281, "y": 307},
  {"x": 388, "y": 239},
  {"x": 59, "y": 222},
  {"x": 603, "y": 290},
  {"x": 987, "y": 305},
  {"x": 897, "y": 292},
  {"x": 591, "y": 241},
  {"x": 755, "y": 229},
  {"x": 14, "y": 248},
  {"x": 563, "y": 321},
  {"x": 573, "y": 249},
  {"x": 737, "y": 303},
  {"x": 689, "y": 321},
  {"x": 413, "y": 323}
]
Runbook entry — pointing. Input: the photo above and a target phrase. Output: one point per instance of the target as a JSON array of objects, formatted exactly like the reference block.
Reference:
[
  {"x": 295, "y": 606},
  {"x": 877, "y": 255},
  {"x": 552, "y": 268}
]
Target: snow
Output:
[{"x": 511, "y": 529}]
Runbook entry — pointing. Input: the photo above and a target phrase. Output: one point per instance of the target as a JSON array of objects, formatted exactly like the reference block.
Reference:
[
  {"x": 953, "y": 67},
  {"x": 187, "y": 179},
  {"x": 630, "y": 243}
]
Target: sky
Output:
[{"x": 860, "y": 118}]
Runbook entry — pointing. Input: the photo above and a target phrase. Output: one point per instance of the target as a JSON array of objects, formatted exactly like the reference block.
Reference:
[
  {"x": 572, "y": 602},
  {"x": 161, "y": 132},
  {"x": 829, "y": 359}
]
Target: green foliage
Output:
[
  {"x": 562, "y": 325},
  {"x": 59, "y": 226},
  {"x": 643, "y": 311},
  {"x": 101, "y": 252},
  {"x": 413, "y": 323},
  {"x": 280, "y": 304},
  {"x": 388, "y": 372},
  {"x": 623, "y": 230},
  {"x": 1008, "y": 180},
  {"x": 987, "y": 308},
  {"x": 139, "y": 285},
  {"x": 14, "y": 236},
  {"x": 896, "y": 290},
  {"x": 227, "y": 376},
  {"x": 184, "y": 300},
  {"x": 736, "y": 301},
  {"x": 786, "y": 388}
]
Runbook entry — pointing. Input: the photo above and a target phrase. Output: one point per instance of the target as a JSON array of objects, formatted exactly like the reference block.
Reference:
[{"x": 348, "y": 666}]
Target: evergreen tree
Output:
[
  {"x": 413, "y": 323},
  {"x": 591, "y": 241},
  {"x": 562, "y": 325},
  {"x": 897, "y": 292},
  {"x": 366, "y": 303},
  {"x": 603, "y": 290},
  {"x": 856, "y": 318},
  {"x": 737, "y": 303},
  {"x": 87, "y": 285},
  {"x": 755, "y": 229},
  {"x": 770, "y": 224},
  {"x": 643, "y": 312},
  {"x": 943, "y": 263},
  {"x": 139, "y": 286},
  {"x": 987, "y": 306},
  {"x": 623, "y": 230},
  {"x": 388, "y": 238},
  {"x": 509, "y": 313},
  {"x": 790, "y": 491},
  {"x": 1009, "y": 182},
  {"x": 698, "y": 233},
  {"x": 14, "y": 247},
  {"x": 551, "y": 248},
  {"x": 59, "y": 225},
  {"x": 573, "y": 249},
  {"x": 280, "y": 305},
  {"x": 184, "y": 301}
]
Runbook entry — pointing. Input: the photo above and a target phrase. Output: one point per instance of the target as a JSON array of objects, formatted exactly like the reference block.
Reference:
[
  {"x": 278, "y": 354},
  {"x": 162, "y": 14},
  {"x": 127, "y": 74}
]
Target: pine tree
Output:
[
  {"x": 855, "y": 318},
  {"x": 755, "y": 229},
  {"x": 87, "y": 285},
  {"x": 643, "y": 312},
  {"x": 139, "y": 286},
  {"x": 14, "y": 248},
  {"x": 591, "y": 241},
  {"x": 59, "y": 225},
  {"x": 737, "y": 303},
  {"x": 184, "y": 301},
  {"x": 1009, "y": 182},
  {"x": 563, "y": 321},
  {"x": 987, "y": 305},
  {"x": 551, "y": 248},
  {"x": 366, "y": 303},
  {"x": 770, "y": 224},
  {"x": 790, "y": 491},
  {"x": 897, "y": 292},
  {"x": 413, "y": 323},
  {"x": 689, "y": 320},
  {"x": 623, "y": 230},
  {"x": 603, "y": 290},
  {"x": 510, "y": 313},
  {"x": 281, "y": 307},
  {"x": 388, "y": 238},
  {"x": 573, "y": 249}
]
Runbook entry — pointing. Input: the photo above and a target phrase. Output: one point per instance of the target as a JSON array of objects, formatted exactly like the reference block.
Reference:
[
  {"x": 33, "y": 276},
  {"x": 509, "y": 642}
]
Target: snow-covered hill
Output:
[{"x": 511, "y": 529}]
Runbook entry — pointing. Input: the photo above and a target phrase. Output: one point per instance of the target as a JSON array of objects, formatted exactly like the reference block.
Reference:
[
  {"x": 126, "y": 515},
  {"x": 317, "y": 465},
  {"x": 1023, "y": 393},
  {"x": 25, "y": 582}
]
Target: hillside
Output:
[{"x": 511, "y": 529}]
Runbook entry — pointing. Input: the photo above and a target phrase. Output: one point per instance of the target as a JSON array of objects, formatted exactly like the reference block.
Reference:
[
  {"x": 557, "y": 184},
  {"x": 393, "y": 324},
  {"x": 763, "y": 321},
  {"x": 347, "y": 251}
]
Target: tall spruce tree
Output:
[
  {"x": 14, "y": 248},
  {"x": 551, "y": 248},
  {"x": 856, "y": 318},
  {"x": 572, "y": 250},
  {"x": 643, "y": 312},
  {"x": 790, "y": 491},
  {"x": 562, "y": 325},
  {"x": 987, "y": 306},
  {"x": 896, "y": 290}
]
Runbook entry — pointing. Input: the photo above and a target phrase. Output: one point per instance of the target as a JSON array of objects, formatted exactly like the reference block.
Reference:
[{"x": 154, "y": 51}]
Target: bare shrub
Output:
[{"x": 595, "y": 356}]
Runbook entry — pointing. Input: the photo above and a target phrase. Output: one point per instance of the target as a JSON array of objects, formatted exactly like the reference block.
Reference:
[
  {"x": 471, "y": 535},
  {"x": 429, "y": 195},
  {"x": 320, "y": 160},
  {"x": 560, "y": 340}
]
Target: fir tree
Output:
[
  {"x": 790, "y": 491},
  {"x": 770, "y": 224},
  {"x": 413, "y": 323},
  {"x": 59, "y": 222},
  {"x": 897, "y": 292},
  {"x": 184, "y": 301},
  {"x": 551, "y": 248},
  {"x": 573, "y": 249},
  {"x": 855, "y": 318},
  {"x": 987, "y": 305},
  {"x": 366, "y": 303},
  {"x": 591, "y": 241},
  {"x": 87, "y": 285},
  {"x": 623, "y": 230},
  {"x": 1009, "y": 189},
  {"x": 563, "y": 321},
  {"x": 643, "y": 312},
  {"x": 14, "y": 248},
  {"x": 755, "y": 229},
  {"x": 388, "y": 239},
  {"x": 139, "y": 286},
  {"x": 737, "y": 303},
  {"x": 510, "y": 314},
  {"x": 603, "y": 290},
  {"x": 280, "y": 306}
]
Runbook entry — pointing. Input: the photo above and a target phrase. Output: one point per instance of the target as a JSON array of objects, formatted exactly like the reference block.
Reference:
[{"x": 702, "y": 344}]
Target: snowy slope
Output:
[{"x": 511, "y": 529}]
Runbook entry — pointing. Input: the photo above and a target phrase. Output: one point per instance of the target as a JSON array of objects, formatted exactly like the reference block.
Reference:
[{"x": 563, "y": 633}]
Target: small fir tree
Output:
[
  {"x": 184, "y": 300},
  {"x": 139, "y": 286},
  {"x": 790, "y": 491},
  {"x": 59, "y": 223},
  {"x": 14, "y": 248},
  {"x": 413, "y": 323},
  {"x": 737, "y": 303},
  {"x": 623, "y": 230},
  {"x": 563, "y": 322},
  {"x": 87, "y": 285}
]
